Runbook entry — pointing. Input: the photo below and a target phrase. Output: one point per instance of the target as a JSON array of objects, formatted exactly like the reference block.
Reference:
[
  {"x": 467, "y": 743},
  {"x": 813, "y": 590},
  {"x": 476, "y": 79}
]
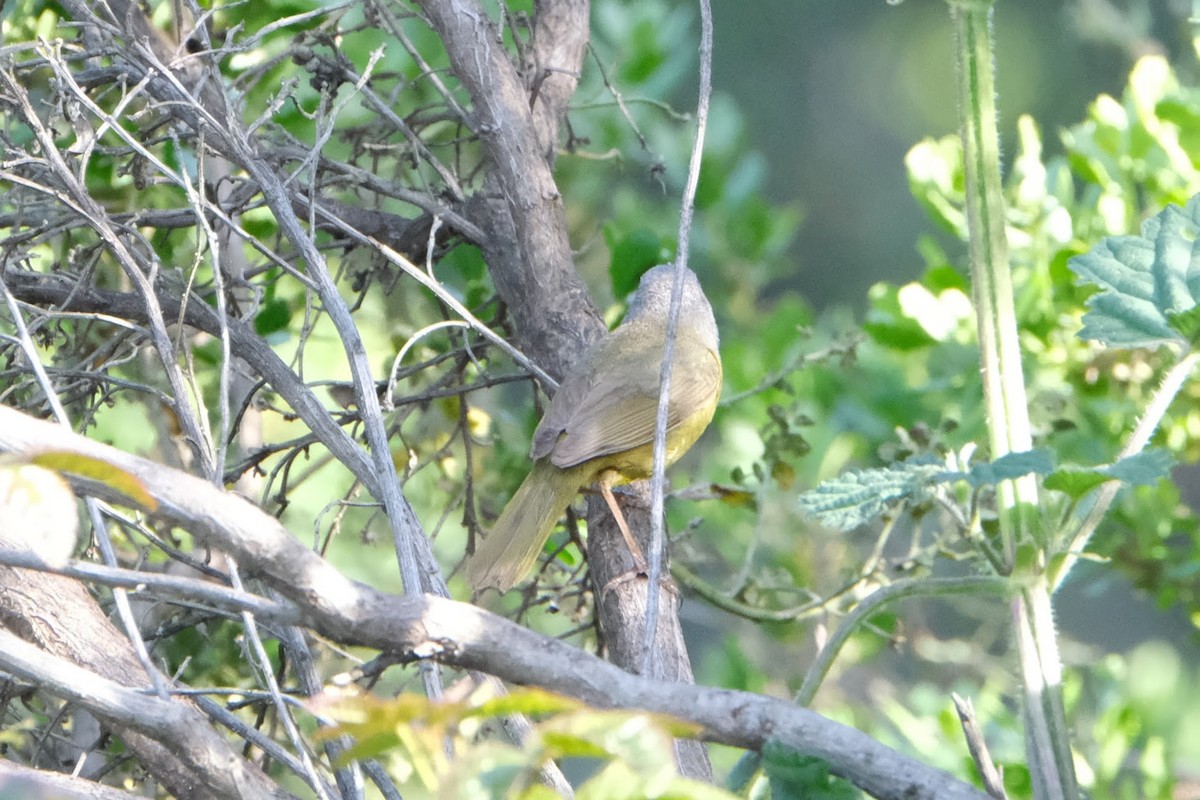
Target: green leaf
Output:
[
  {"x": 1187, "y": 324},
  {"x": 1142, "y": 469},
  {"x": 273, "y": 317},
  {"x": 1148, "y": 283},
  {"x": 569, "y": 745},
  {"x": 859, "y": 496},
  {"x": 1074, "y": 483},
  {"x": 1012, "y": 466},
  {"x": 528, "y": 701},
  {"x": 935, "y": 177},
  {"x": 889, "y": 325},
  {"x": 795, "y": 775}
]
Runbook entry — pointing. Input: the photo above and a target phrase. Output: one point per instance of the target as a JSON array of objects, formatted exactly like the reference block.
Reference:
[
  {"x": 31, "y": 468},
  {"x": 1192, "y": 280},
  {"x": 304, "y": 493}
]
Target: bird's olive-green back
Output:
[{"x": 608, "y": 404}]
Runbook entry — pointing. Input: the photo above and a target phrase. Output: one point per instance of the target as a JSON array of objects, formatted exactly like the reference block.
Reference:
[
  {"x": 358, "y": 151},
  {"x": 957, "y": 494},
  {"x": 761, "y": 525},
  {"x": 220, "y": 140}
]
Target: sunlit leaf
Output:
[
  {"x": 1146, "y": 281},
  {"x": 37, "y": 511},
  {"x": 529, "y": 701},
  {"x": 101, "y": 471}
]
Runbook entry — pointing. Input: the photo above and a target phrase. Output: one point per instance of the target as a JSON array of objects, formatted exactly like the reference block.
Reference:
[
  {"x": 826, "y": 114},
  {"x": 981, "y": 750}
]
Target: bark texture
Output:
[
  {"x": 177, "y": 745},
  {"x": 517, "y": 114},
  {"x": 429, "y": 627}
]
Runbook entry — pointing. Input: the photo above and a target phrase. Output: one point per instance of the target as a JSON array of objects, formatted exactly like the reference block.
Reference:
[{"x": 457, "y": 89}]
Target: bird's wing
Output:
[{"x": 598, "y": 414}]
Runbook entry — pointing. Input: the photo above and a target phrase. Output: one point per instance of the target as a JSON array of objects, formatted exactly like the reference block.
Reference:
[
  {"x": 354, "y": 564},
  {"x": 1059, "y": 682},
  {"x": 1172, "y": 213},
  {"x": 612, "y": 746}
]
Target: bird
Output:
[{"x": 599, "y": 426}]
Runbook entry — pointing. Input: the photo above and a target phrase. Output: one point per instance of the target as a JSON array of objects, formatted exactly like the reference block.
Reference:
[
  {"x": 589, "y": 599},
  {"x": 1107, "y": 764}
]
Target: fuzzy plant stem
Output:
[{"x": 1047, "y": 739}]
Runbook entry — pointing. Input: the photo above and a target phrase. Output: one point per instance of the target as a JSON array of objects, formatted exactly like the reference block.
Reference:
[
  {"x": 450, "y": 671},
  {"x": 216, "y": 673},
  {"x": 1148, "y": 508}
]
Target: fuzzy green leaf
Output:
[
  {"x": 1012, "y": 466},
  {"x": 859, "y": 496},
  {"x": 855, "y": 498},
  {"x": 1148, "y": 283},
  {"x": 1143, "y": 469}
]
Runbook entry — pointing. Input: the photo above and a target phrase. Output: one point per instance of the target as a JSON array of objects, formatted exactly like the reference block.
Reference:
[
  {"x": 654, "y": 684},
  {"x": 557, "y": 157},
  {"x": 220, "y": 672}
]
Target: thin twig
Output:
[
  {"x": 992, "y": 781},
  {"x": 440, "y": 292},
  {"x": 916, "y": 587},
  {"x": 658, "y": 474},
  {"x": 282, "y": 710}
]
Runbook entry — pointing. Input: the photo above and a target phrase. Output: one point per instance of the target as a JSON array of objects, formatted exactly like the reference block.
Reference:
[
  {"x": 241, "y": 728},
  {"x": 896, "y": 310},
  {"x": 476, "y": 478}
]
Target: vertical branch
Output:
[
  {"x": 1047, "y": 737},
  {"x": 529, "y": 258},
  {"x": 659, "y": 467},
  {"x": 1093, "y": 508},
  {"x": 527, "y": 250}
]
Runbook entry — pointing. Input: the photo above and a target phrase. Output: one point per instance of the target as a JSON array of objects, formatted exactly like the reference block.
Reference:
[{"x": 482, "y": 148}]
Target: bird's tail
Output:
[{"x": 516, "y": 540}]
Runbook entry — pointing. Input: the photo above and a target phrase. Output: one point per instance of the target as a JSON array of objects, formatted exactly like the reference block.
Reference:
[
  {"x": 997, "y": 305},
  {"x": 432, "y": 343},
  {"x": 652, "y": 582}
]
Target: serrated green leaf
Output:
[
  {"x": 1149, "y": 283},
  {"x": 1143, "y": 469},
  {"x": 857, "y": 497},
  {"x": 1012, "y": 466}
]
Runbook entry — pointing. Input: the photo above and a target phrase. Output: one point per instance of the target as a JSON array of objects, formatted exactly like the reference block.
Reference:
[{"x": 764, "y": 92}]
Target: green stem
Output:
[
  {"x": 1048, "y": 742},
  {"x": 916, "y": 587},
  {"x": 1092, "y": 509},
  {"x": 747, "y": 768},
  {"x": 1047, "y": 738},
  {"x": 991, "y": 281}
]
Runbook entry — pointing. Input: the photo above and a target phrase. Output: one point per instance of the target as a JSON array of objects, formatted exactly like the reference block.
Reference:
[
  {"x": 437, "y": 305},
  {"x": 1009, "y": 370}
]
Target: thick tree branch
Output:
[
  {"x": 72, "y": 638},
  {"x": 18, "y": 781},
  {"x": 521, "y": 209},
  {"x": 218, "y": 772},
  {"x": 468, "y": 637}
]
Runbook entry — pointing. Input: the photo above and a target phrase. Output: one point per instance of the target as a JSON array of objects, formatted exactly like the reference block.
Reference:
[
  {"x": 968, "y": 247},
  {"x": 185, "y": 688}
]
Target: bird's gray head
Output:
[{"x": 653, "y": 301}]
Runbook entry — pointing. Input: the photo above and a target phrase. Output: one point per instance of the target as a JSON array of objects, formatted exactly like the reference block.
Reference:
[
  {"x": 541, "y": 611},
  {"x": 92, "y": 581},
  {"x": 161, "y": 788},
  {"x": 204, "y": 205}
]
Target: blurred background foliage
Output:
[{"x": 829, "y": 238}]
